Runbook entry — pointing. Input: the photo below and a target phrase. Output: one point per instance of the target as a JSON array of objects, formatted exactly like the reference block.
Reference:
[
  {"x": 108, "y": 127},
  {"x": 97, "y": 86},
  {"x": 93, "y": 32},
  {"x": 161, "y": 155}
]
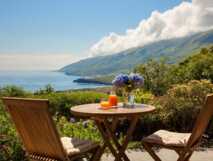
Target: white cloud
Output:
[
  {"x": 182, "y": 20},
  {"x": 35, "y": 61}
]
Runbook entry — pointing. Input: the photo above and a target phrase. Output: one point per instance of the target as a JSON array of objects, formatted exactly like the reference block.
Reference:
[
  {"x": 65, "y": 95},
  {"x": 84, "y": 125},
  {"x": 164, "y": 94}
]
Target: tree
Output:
[
  {"x": 155, "y": 75},
  {"x": 195, "y": 67},
  {"x": 159, "y": 75},
  {"x": 46, "y": 90}
]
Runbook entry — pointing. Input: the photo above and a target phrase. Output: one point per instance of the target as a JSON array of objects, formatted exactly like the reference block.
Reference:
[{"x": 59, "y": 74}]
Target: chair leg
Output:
[
  {"x": 181, "y": 158},
  {"x": 188, "y": 156},
  {"x": 178, "y": 152},
  {"x": 185, "y": 156},
  {"x": 96, "y": 155},
  {"x": 151, "y": 151},
  {"x": 87, "y": 157},
  {"x": 81, "y": 159}
]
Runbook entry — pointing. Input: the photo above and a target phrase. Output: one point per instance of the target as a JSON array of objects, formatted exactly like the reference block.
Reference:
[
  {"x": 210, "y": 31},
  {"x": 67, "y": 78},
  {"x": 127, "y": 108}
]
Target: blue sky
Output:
[
  {"x": 51, "y": 27},
  {"x": 70, "y": 26}
]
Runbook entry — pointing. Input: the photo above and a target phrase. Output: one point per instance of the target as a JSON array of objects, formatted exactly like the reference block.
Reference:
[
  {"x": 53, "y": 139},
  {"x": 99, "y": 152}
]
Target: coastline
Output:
[{"x": 91, "y": 81}]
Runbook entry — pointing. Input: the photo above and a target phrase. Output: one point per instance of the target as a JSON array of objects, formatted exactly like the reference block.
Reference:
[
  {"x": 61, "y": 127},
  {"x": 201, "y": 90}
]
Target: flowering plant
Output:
[{"x": 128, "y": 82}]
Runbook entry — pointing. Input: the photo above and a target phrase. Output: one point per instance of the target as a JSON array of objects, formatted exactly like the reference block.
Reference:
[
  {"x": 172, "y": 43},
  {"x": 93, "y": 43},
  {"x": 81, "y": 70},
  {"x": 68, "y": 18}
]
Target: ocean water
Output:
[{"x": 34, "y": 80}]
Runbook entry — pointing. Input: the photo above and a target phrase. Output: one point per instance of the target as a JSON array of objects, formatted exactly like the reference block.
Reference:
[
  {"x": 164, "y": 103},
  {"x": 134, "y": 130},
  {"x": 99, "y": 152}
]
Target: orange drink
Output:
[{"x": 113, "y": 100}]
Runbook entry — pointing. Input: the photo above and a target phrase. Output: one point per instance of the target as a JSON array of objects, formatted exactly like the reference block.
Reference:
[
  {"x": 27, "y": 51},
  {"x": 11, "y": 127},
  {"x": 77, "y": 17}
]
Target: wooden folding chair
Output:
[
  {"x": 39, "y": 135},
  {"x": 183, "y": 143}
]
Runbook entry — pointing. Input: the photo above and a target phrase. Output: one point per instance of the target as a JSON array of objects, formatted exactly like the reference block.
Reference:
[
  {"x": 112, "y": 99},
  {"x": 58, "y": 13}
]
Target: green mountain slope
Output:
[{"x": 173, "y": 49}]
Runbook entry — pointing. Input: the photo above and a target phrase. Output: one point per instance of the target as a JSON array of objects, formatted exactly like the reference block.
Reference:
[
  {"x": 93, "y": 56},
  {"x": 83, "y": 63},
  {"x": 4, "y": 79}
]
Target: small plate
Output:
[{"x": 111, "y": 107}]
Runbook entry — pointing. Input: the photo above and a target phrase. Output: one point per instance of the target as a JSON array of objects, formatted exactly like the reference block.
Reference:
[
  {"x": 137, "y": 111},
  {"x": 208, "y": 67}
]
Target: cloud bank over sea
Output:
[
  {"x": 25, "y": 62},
  {"x": 182, "y": 20}
]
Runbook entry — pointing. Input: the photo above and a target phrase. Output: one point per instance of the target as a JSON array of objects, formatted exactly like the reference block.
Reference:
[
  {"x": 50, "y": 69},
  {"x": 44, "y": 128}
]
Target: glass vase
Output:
[{"x": 128, "y": 99}]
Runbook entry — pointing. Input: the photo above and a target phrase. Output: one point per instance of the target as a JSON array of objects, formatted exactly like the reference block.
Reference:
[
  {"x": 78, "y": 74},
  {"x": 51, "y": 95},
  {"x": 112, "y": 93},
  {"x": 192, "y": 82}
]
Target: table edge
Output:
[{"x": 79, "y": 114}]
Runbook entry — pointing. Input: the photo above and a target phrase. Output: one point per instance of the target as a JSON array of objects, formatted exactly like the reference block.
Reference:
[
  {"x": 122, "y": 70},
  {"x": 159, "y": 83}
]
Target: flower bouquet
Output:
[{"x": 128, "y": 83}]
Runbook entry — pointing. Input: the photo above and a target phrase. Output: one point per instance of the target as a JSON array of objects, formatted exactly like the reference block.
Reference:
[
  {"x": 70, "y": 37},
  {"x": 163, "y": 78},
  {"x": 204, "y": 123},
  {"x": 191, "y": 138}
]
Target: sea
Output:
[{"x": 35, "y": 80}]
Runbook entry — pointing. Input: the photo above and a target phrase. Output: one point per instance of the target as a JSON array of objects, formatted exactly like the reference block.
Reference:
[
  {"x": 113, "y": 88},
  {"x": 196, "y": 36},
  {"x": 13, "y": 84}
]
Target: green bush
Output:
[
  {"x": 60, "y": 103},
  {"x": 142, "y": 96},
  {"x": 181, "y": 104},
  {"x": 81, "y": 129},
  {"x": 160, "y": 75},
  {"x": 196, "y": 67},
  {"x": 46, "y": 90},
  {"x": 156, "y": 74},
  {"x": 13, "y": 91}
]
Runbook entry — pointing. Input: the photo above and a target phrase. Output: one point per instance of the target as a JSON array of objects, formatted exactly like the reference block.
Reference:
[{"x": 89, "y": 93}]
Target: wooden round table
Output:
[{"x": 107, "y": 129}]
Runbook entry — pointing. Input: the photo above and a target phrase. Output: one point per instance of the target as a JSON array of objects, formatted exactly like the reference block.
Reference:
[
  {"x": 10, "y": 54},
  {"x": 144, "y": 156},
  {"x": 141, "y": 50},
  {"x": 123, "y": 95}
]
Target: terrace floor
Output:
[{"x": 165, "y": 155}]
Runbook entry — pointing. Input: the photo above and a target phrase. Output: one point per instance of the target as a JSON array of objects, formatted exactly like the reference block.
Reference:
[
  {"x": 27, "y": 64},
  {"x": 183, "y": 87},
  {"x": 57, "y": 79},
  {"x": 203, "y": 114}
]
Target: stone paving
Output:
[{"x": 165, "y": 155}]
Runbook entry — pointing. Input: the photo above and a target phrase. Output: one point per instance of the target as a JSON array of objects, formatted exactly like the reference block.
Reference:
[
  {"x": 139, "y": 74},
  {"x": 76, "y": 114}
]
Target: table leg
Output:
[
  {"x": 108, "y": 133},
  {"x": 122, "y": 148},
  {"x": 103, "y": 147},
  {"x": 133, "y": 123},
  {"x": 107, "y": 140},
  {"x": 114, "y": 139}
]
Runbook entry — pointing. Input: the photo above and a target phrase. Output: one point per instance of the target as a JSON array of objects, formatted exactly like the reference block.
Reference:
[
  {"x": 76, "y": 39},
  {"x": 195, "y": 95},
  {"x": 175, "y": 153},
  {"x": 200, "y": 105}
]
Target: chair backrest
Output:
[
  {"x": 35, "y": 126},
  {"x": 201, "y": 122}
]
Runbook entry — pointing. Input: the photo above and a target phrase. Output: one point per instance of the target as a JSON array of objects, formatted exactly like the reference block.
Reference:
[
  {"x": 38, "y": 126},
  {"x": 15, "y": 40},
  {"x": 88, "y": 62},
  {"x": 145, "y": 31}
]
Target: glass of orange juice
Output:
[{"x": 113, "y": 99}]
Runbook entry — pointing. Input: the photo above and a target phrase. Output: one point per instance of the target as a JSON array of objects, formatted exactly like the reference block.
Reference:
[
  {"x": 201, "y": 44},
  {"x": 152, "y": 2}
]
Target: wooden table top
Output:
[{"x": 94, "y": 110}]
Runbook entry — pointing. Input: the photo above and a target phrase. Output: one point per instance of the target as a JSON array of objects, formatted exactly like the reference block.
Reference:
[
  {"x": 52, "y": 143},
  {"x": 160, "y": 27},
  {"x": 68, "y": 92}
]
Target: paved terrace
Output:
[{"x": 165, "y": 155}]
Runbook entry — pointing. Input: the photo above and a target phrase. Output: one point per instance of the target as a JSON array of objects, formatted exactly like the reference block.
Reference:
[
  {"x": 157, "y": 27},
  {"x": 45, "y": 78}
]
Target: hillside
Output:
[{"x": 174, "y": 49}]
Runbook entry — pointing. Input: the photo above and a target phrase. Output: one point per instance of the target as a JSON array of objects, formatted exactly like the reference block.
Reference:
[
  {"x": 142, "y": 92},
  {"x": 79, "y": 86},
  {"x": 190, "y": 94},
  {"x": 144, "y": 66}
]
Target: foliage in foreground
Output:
[
  {"x": 181, "y": 104},
  {"x": 176, "y": 110},
  {"x": 81, "y": 129}
]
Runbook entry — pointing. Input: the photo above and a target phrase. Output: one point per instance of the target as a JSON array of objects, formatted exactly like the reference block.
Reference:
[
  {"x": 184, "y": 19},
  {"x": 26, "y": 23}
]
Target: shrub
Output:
[
  {"x": 196, "y": 67},
  {"x": 181, "y": 104},
  {"x": 81, "y": 129},
  {"x": 142, "y": 96},
  {"x": 159, "y": 75},
  {"x": 156, "y": 74},
  {"x": 13, "y": 91},
  {"x": 46, "y": 90},
  {"x": 60, "y": 103}
]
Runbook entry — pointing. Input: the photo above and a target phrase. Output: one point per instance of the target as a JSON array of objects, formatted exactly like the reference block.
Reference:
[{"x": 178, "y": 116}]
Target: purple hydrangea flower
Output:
[
  {"x": 120, "y": 80},
  {"x": 136, "y": 80},
  {"x": 125, "y": 79},
  {"x": 130, "y": 82}
]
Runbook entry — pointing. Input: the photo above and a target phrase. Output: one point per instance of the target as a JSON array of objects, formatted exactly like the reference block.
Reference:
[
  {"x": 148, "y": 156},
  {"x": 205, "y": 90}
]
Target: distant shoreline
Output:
[{"x": 91, "y": 81}]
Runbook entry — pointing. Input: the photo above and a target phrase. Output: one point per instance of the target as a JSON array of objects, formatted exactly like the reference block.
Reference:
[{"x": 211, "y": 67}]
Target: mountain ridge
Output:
[{"x": 174, "y": 49}]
